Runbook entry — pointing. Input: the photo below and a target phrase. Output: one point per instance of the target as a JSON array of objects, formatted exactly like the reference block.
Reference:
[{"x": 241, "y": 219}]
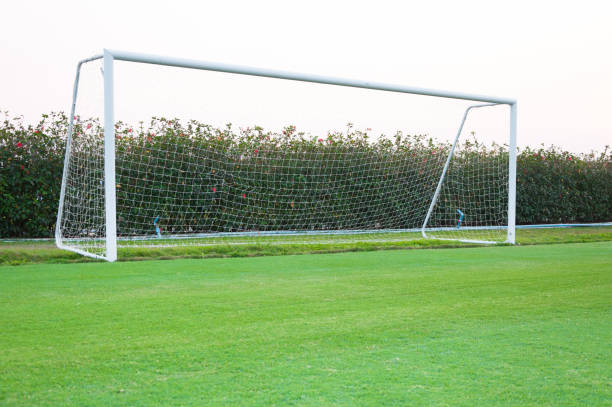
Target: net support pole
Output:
[
  {"x": 434, "y": 200},
  {"x": 110, "y": 202},
  {"x": 60, "y": 209},
  {"x": 441, "y": 180},
  {"x": 512, "y": 177}
]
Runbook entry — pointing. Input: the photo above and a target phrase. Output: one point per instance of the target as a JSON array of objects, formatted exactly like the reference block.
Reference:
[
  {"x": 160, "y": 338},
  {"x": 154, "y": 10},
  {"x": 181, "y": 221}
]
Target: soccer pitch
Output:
[{"x": 528, "y": 325}]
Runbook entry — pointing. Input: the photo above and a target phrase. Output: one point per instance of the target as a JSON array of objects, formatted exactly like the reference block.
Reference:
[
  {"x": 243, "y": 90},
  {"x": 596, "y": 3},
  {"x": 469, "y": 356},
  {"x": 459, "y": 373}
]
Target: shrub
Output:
[
  {"x": 31, "y": 162},
  {"x": 555, "y": 186},
  {"x": 552, "y": 185}
]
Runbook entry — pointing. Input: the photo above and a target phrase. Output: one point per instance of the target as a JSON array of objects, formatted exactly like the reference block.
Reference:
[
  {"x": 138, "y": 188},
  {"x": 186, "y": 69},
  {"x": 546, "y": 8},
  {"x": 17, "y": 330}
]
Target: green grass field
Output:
[
  {"x": 44, "y": 251},
  {"x": 529, "y": 325}
]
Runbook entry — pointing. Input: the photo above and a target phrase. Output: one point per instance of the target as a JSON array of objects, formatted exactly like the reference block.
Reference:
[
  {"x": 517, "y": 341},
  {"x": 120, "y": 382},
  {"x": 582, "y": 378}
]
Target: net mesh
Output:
[
  {"x": 183, "y": 182},
  {"x": 473, "y": 200},
  {"x": 210, "y": 184}
]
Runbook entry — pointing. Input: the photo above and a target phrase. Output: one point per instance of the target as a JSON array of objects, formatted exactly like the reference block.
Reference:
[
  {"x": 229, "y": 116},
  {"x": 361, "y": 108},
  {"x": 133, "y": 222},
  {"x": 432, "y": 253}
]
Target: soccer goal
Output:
[{"x": 171, "y": 182}]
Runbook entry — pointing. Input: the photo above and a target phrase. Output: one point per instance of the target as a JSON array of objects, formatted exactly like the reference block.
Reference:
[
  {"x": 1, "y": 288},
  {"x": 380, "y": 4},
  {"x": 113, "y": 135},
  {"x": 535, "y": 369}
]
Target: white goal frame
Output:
[{"x": 109, "y": 56}]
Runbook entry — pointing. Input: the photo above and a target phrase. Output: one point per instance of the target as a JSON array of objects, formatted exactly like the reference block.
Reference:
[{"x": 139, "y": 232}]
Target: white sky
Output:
[{"x": 555, "y": 57}]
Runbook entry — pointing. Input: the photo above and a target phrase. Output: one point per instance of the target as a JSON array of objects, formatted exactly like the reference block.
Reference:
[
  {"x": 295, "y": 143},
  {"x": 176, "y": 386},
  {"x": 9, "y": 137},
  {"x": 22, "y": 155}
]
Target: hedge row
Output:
[{"x": 554, "y": 186}]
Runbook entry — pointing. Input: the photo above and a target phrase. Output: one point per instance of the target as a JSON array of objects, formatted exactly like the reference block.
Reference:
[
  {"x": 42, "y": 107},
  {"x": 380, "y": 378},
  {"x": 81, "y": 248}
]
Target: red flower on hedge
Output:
[
  {"x": 22, "y": 167},
  {"x": 214, "y": 189},
  {"x": 244, "y": 195},
  {"x": 320, "y": 140},
  {"x": 256, "y": 151},
  {"x": 19, "y": 144}
]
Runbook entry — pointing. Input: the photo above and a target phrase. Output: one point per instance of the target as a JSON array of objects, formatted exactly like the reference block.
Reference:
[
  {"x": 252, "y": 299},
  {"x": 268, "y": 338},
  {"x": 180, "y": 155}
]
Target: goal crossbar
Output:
[{"x": 109, "y": 56}]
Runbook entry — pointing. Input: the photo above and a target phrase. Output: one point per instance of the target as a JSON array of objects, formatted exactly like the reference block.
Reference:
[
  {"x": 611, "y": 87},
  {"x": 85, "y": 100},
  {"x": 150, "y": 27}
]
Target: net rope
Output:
[{"x": 189, "y": 183}]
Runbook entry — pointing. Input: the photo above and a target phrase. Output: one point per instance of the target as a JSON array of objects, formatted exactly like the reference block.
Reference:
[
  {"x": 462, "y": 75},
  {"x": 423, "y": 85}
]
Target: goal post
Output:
[
  {"x": 93, "y": 232},
  {"x": 512, "y": 176}
]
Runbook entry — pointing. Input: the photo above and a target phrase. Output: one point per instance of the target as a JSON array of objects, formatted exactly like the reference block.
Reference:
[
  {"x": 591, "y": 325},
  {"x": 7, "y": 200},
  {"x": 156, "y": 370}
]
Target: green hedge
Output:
[
  {"x": 554, "y": 186},
  {"x": 31, "y": 162}
]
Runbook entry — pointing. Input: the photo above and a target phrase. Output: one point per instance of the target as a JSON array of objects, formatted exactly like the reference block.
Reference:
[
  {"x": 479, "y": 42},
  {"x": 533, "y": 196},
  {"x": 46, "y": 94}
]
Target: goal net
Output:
[{"x": 174, "y": 181}]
